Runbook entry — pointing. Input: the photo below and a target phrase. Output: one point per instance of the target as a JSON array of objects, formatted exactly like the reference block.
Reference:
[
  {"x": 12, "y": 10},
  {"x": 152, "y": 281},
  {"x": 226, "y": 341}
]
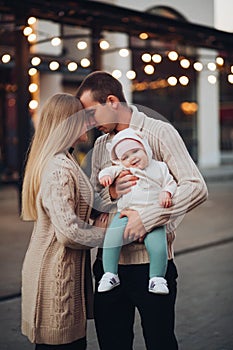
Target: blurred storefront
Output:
[{"x": 182, "y": 70}]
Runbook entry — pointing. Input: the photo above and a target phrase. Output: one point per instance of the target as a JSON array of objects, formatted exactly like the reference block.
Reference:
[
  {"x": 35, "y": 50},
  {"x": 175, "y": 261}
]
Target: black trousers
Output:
[
  {"x": 79, "y": 344},
  {"x": 114, "y": 311}
]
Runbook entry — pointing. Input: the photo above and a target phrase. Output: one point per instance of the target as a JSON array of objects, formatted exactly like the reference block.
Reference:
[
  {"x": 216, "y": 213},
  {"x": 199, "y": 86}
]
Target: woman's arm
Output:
[{"x": 59, "y": 202}]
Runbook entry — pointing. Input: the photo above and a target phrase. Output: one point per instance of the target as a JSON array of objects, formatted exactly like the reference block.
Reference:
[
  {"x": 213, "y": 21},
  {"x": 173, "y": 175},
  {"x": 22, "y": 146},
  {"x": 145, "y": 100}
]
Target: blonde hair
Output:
[{"x": 58, "y": 129}]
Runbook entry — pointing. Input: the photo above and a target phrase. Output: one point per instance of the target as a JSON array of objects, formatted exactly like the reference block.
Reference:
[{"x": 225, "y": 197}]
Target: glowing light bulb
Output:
[
  {"x": 131, "y": 74},
  {"x": 212, "y": 79},
  {"x": 82, "y": 45},
  {"x": 54, "y": 65},
  {"x": 173, "y": 55},
  {"x": 72, "y": 66},
  {"x": 172, "y": 81},
  {"x": 149, "y": 69},
  {"x": 116, "y": 73},
  {"x": 146, "y": 57},
  {"x": 124, "y": 52},
  {"x": 6, "y": 58},
  {"x": 198, "y": 66},
  {"x": 156, "y": 58},
  {"x": 85, "y": 62},
  {"x": 56, "y": 41},
  {"x": 35, "y": 61}
]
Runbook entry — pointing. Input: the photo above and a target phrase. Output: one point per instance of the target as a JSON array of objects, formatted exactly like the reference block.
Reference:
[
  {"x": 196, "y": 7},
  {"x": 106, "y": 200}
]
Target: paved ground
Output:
[{"x": 204, "y": 246}]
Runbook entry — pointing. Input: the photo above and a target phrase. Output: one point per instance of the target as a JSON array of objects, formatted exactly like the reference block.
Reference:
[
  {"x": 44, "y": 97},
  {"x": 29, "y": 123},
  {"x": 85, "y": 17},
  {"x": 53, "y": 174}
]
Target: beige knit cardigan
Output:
[
  {"x": 56, "y": 279},
  {"x": 167, "y": 146}
]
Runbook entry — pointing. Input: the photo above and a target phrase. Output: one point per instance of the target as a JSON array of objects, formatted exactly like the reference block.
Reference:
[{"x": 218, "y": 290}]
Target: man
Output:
[{"x": 114, "y": 311}]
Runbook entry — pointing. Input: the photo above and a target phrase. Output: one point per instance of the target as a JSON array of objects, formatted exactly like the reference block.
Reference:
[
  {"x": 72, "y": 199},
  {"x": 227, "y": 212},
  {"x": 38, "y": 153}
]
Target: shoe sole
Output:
[
  {"x": 108, "y": 290},
  {"x": 155, "y": 292}
]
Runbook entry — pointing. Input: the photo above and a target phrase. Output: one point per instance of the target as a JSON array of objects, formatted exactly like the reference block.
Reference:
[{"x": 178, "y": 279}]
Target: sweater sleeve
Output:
[
  {"x": 112, "y": 171},
  {"x": 169, "y": 183},
  {"x": 103, "y": 201},
  {"x": 191, "y": 188},
  {"x": 59, "y": 202}
]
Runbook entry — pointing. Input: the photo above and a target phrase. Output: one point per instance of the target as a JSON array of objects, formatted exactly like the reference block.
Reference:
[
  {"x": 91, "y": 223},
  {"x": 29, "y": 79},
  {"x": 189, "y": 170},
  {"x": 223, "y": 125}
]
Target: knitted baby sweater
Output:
[{"x": 56, "y": 278}]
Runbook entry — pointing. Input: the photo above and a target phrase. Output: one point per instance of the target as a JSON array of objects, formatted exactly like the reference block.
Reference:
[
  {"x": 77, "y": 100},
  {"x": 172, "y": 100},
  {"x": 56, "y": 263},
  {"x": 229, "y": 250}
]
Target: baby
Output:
[{"x": 155, "y": 184}]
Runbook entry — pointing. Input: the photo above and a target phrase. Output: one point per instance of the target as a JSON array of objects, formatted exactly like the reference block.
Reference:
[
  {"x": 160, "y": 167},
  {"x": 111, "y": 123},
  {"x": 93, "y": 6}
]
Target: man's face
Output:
[{"x": 101, "y": 116}]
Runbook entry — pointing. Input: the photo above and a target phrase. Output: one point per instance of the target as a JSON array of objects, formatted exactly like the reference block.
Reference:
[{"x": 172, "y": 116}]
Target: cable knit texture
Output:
[
  {"x": 168, "y": 147},
  {"x": 56, "y": 278}
]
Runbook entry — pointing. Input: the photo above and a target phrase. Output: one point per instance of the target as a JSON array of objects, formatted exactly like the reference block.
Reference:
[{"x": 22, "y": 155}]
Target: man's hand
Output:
[
  {"x": 122, "y": 184},
  {"x": 134, "y": 229}
]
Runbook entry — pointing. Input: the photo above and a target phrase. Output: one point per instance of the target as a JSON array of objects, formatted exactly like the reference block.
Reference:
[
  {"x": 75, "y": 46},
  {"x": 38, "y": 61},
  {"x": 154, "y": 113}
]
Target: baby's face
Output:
[{"x": 135, "y": 158}]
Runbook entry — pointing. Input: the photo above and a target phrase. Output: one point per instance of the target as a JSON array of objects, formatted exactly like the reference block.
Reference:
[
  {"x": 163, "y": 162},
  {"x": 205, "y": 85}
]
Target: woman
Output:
[{"x": 57, "y": 196}]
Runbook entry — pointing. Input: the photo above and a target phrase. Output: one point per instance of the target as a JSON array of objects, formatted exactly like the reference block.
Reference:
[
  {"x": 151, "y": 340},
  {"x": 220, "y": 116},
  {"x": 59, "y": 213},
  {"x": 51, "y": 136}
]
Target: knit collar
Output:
[{"x": 137, "y": 119}]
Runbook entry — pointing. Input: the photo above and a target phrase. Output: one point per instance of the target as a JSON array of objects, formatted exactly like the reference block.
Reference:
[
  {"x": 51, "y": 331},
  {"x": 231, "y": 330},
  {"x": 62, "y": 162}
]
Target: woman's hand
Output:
[
  {"x": 101, "y": 221},
  {"x": 122, "y": 184}
]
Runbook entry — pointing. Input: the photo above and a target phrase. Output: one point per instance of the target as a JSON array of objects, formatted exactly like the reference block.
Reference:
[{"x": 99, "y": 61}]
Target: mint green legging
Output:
[{"x": 155, "y": 242}]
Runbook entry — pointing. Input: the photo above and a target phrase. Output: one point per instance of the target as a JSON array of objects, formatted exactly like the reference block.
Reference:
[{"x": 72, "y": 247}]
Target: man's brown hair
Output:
[{"x": 101, "y": 85}]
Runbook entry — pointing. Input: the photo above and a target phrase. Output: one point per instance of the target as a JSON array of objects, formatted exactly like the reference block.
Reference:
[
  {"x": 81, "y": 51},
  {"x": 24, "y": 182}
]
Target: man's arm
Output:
[{"x": 191, "y": 188}]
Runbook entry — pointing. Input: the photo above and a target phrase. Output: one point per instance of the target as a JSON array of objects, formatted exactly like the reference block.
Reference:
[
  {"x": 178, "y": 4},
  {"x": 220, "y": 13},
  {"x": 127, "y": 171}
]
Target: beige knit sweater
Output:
[
  {"x": 167, "y": 146},
  {"x": 56, "y": 279}
]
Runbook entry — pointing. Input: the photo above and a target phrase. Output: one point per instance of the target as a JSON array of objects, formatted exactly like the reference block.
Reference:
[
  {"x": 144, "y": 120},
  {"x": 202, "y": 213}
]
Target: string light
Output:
[
  {"x": 230, "y": 78},
  {"x": 104, "y": 45},
  {"x": 143, "y": 36},
  {"x": 131, "y": 74},
  {"x": 173, "y": 55},
  {"x": 124, "y": 52},
  {"x": 32, "y": 71},
  {"x": 172, "y": 81},
  {"x": 31, "y": 20},
  {"x": 198, "y": 66},
  {"x": 156, "y": 58},
  {"x": 33, "y": 104},
  {"x": 72, "y": 66},
  {"x": 220, "y": 61},
  {"x": 6, "y": 58},
  {"x": 85, "y": 62},
  {"x": 184, "y": 80},
  {"x": 149, "y": 69},
  {"x": 56, "y": 41},
  {"x": 212, "y": 79},
  {"x": 32, "y": 37},
  {"x": 117, "y": 74},
  {"x": 54, "y": 65},
  {"x": 35, "y": 61},
  {"x": 27, "y": 31},
  {"x": 33, "y": 87},
  {"x": 185, "y": 63},
  {"x": 82, "y": 45},
  {"x": 211, "y": 66},
  {"x": 146, "y": 57}
]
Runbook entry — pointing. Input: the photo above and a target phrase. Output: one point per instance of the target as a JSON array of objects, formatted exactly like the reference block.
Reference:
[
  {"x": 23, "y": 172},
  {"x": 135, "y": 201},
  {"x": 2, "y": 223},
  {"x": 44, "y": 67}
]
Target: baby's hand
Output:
[
  {"x": 106, "y": 180},
  {"x": 165, "y": 199}
]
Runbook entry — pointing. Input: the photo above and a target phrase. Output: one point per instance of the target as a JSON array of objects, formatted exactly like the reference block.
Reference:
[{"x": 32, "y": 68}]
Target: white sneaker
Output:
[
  {"x": 108, "y": 281},
  {"x": 158, "y": 285}
]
